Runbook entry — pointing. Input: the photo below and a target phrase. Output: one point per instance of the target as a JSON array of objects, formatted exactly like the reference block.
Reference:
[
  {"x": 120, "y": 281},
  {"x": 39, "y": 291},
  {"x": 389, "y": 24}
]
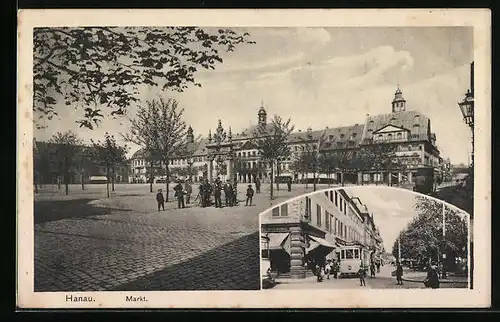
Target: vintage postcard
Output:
[{"x": 253, "y": 158}]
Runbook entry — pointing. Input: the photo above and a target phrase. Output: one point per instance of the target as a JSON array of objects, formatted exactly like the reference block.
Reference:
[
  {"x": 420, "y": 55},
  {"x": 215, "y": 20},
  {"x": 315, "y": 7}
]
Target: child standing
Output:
[
  {"x": 250, "y": 193},
  {"x": 160, "y": 200}
]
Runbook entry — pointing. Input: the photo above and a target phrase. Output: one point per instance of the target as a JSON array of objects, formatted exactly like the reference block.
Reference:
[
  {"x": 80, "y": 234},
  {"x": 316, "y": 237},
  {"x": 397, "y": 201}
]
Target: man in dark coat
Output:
[
  {"x": 399, "y": 273},
  {"x": 257, "y": 185},
  {"x": 289, "y": 184},
  {"x": 249, "y": 195},
  {"x": 228, "y": 193},
  {"x": 217, "y": 193},
  {"x": 179, "y": 194},
  {"x": 160, "y": 200},
  {"x": 432, "y": 279}
]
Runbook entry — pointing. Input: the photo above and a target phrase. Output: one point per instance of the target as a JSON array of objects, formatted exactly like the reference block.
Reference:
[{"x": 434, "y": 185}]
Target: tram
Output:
[{"x": 352, "y": 258}]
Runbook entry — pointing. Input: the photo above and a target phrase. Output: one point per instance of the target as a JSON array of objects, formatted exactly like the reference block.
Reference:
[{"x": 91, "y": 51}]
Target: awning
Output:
[
  {"x": 276, "y": 240},
  {"x": 317, "y": 242}
]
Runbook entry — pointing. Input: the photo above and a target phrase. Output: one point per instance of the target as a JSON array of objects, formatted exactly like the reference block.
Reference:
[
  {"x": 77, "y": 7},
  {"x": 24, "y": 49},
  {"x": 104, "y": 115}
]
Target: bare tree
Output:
[
  {"x": 109, "y": 154},
  {"x": 311, "y": 154},
  {"x": 160, "y": 129},
  {"x": 272, "y": 143},
  {"x": 67, "y": 145}
]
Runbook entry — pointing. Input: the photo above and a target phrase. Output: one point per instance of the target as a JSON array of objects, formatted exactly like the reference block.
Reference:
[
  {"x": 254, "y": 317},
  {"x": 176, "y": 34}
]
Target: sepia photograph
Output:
[
  {"x": 184, "y": 157},
  {"x": 375, "y": 238}
]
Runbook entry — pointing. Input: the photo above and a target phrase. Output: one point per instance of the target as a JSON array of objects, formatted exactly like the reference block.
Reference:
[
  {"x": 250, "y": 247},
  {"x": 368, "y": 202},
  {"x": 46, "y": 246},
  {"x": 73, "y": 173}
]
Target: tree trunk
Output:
[
  {"x": 342, "y": 178},
  {"x": 314, "y": 180},
  {"x": 83, "y": 182},
  {"x": 66, "y": 175},
  {"x": 277, "y": 175},
  {"x": 307, "y": 180},
  {"x": 328, "y": 177},
  {"x": 167, "y": 182},
  {"x": 151, "y": 177},
  {"x": 36, "y": 184},
  {"x": 41, "y": 181},
  {"x": 107, "y": 182},
  {"x": 59, "y": 182},
  {"x": 271, "y": 186},
  {"x": 113, "y": 179}
]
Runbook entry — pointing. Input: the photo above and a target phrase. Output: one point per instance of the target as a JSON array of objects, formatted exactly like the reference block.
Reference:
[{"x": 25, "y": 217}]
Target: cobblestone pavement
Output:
[
  {"x": 105, "y": 243},
  {"x": 382, "y": 280}
]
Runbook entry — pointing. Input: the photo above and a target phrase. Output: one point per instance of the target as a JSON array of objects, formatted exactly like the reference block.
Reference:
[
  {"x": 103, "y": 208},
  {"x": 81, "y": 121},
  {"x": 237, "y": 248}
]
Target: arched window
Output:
[
  {"x": 244, "y": 154},
  {"x": 399, "y": 136},
  {"x": 380, "y": 137},
  {"x": 342, "y": 135},
  {"x": 416, "y": 125},
  {"x": 389, "y": 136}
]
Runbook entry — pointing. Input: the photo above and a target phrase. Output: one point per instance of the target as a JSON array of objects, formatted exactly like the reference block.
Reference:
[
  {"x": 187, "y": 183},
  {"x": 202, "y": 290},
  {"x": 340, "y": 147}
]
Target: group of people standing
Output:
[
  {"x": 206, "y": 190},
  {"x": 330, "y": 267}
]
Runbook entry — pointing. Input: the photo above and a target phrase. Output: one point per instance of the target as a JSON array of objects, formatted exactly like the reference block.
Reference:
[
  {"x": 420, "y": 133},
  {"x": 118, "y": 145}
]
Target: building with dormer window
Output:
[
  {"x": 234, "y": 156},
  {"x": 313, "y": 228}
]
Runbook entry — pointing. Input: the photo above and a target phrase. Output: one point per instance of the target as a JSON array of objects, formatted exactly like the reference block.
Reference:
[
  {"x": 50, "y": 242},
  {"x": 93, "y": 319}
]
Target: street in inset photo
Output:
[
  {"x": 365, "y": 237},
  {"x": 155, "y": 149}
]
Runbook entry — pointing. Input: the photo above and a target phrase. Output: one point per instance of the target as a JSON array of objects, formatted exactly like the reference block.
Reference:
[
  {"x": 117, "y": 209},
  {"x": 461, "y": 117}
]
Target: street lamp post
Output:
[
  {"x": 443, "y": 243},
  {"x": 467, "y": 109}
]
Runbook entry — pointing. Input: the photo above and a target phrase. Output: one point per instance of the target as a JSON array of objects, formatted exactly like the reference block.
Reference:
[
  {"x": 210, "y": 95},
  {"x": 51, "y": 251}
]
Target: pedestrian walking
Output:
[
  {"x": 372, "y": 270},
  {"x": 362, "y": 275},
  {"x": 228, "y": 194},
  {"x": 218, "y": 192},
  {"x": 319, "y": 273},
  {"x": 160, "y": 200},
  {"x": 335, "y": 268},
  {"x": 399, "y": 273},
  {"x": 188, "y": 189},
  {"x": 257, "y": 185},
  {"x": 432, "y": 279},
  {"x": 328, "y": 267},
  {"x": 235, "y": 192},
  {"x": 179, "y": 194},
  {"x": 378, "y": 265},
  {"x": 250, "y": 193}
]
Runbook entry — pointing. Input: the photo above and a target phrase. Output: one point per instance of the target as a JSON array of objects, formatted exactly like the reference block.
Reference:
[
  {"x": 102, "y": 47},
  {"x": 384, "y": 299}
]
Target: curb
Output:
[{"x": 440, "y": 281}]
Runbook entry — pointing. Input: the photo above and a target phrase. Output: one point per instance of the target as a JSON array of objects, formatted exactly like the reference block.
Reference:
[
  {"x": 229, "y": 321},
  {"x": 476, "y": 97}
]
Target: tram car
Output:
[{"x": 351, "y": 260}]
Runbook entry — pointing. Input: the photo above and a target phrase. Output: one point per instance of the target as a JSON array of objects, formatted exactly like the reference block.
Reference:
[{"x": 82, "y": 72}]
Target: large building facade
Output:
[
  {"x": 314, "y": 227},
  {"x": 234, "y": 156}
]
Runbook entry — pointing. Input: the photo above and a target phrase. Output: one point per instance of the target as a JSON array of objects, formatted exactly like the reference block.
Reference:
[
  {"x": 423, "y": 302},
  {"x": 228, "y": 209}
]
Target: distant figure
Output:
[
  {"x": 335, "y": 268},
  {"x": 160, "y": 200},
  {"x": 362, "y": 275},
  {"x": 319, "y": 273},
  {"x": 217, "y": 193},
  {"x": 179, "y": 194},
  {"x": 399, "y": 273},
  {"x": 432, "y": 279},
  {"x": 206, "y": 192},
  {"x": 289, "y": 184},
  {"x": 328, "y": 267},
  {"x": 378, "y": 265},
  {"x": 257, "y": 185},
  {"x": 372, "y": 270},
  {"x": 235, "y": 193},
  {"x": 228, "y": 193},
  {"x": 189, "y": 190},
  {"x": 249, "y": 195}
]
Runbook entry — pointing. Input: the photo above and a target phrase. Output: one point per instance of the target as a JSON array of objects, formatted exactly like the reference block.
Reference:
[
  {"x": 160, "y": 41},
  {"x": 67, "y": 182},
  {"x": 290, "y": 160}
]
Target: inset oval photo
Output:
[{"x": 365, "y": 238}]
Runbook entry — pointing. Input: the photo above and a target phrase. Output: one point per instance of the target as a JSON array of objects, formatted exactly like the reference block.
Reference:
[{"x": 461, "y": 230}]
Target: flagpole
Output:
[{"x": 399, "y": 250}]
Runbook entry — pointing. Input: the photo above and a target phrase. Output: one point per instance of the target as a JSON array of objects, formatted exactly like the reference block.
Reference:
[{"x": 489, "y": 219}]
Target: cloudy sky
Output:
[
  {"x": 327, "y": 77},
  {"x": 393, "y": 209}
]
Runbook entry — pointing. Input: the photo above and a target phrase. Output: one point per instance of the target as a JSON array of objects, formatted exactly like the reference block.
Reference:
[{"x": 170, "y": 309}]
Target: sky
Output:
[
  {"x": 393, "y": 209},
  {"x": 323, "y": 77}
]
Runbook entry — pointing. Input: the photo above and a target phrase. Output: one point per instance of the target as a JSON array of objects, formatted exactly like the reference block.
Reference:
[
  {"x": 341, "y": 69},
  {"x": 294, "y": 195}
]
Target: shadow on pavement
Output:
[
  {"x": 52, "y": 210},
  {"x": 234, "y": 266}
]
